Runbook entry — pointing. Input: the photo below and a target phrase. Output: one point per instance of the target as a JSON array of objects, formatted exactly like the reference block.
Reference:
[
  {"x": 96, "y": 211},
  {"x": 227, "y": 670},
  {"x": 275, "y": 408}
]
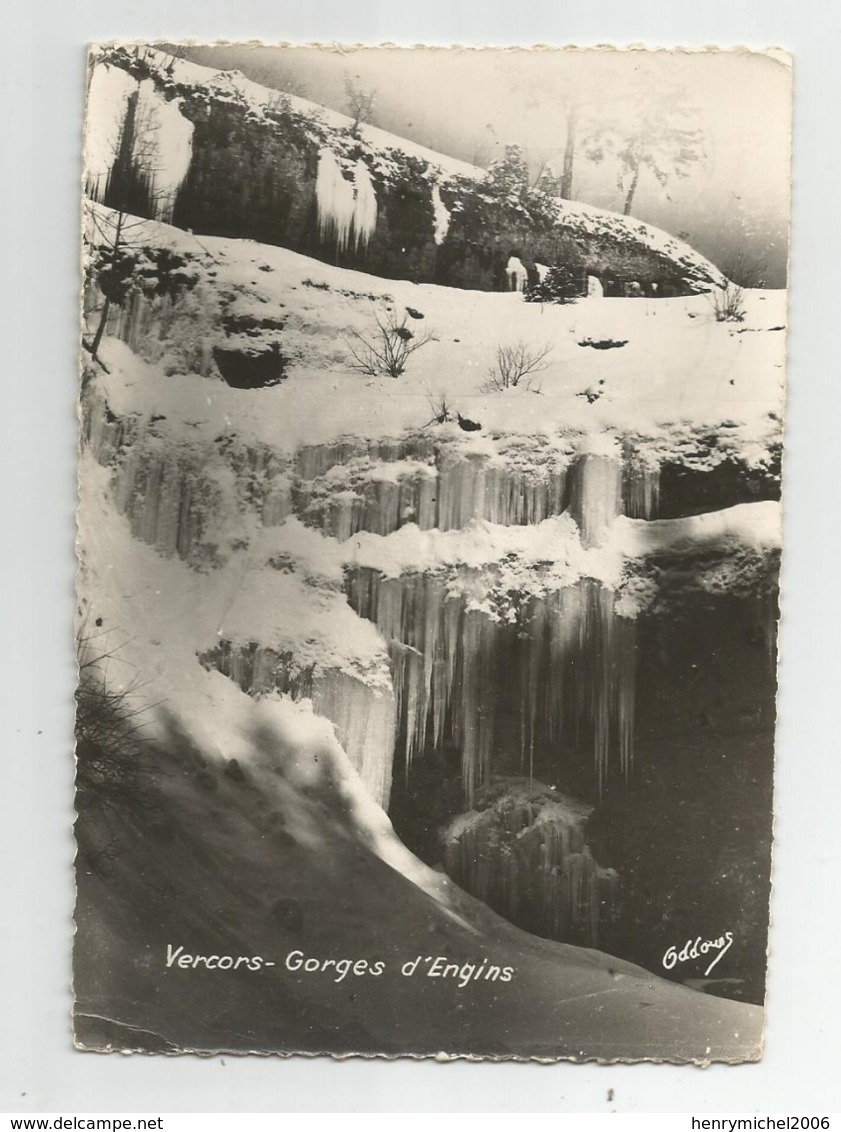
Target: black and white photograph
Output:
[{"x": 431, "y": 408}]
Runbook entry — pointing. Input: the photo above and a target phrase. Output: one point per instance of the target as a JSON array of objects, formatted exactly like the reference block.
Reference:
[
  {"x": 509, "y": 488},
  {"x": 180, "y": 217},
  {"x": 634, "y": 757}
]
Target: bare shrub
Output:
[
  {"x": 516, "y": 364},
  {"x": 440, "y": 408},
  {"x": 728, "y": 303},
  {"x": 112, "y": 769},
  {"x": 384, "y": 351}
]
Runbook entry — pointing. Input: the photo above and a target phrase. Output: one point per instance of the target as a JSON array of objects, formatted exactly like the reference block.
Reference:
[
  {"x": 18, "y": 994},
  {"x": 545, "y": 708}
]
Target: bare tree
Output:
[
  {"x": 657, "y": 137},
  {"x": 385, "y": 351},
  {"x": 360, "y": 103},
  {"x": 130, "y": 191},
  {"x": 516, "y": 363}
]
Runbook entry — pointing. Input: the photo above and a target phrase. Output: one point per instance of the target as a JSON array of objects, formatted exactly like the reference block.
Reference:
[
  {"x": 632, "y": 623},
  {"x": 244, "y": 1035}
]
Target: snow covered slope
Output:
[
  {"x": 541, "y": 496},
  {"x": 669, "y": 367}
]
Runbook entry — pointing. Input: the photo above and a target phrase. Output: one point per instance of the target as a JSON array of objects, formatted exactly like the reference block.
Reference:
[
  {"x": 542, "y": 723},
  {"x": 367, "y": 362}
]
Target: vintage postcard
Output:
[{"x": 431, "y": 416}]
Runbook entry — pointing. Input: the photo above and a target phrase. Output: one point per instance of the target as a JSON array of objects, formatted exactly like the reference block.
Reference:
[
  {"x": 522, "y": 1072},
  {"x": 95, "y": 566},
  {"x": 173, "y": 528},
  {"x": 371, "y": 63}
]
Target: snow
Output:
[
  {"x": 317, "y": 627},
  {"x": 108, "y": 94},
  {"x": 163, "y": 143},
  {"x": 233, "y": 84},
  {"x": 578, "y": 218},
  {"x": 756, "y": 525},
  {"x": 169, "y": 144},
  {"x": 473, "y": 593},
  {"x": 441, "y": 216},
  {"x": 553, "y": 544},
  {"x": 335, "y": 197},
  {"x": 458, "y": 522},
  {"x": 524, "y": 847},
  {"x": 365, "y": 205},
  {"x": 516, "y": 274},
  {"x": 680, "y": 369},
  {"x": 157, "y": 613}
]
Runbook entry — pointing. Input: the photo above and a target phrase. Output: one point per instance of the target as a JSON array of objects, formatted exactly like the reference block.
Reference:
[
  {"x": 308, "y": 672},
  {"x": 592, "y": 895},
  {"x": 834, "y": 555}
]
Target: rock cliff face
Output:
[{"x": 279, "y": 170}]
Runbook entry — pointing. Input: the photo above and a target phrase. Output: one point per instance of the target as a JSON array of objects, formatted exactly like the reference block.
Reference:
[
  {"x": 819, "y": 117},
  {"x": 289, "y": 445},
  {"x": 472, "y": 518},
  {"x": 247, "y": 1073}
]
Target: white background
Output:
[{"x": 41, "y": 76}]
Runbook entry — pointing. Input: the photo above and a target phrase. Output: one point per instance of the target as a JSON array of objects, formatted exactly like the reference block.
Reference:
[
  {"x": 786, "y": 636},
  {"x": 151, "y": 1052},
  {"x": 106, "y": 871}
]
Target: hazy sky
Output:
[{"x": 469, "y": 103}]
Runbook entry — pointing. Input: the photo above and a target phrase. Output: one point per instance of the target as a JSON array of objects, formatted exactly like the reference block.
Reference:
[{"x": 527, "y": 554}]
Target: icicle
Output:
[
  {"x": 596, "y": 496},
  {"x": 365, "y": 722},
  {"x": 595, "y": 290},
  {"x": 316, "y": 460},
  {"x": 165, "y": 142},
  {"x": 453, "y": 664},
  {"x": 542, "y": 271},
  {"x": 441, "y": 216},
  {"x": 516, "y": 275},
  {"x": 108, "y": 95},
  {"x": 344, "y": 206},
  {"x": 335, "y": 199},
  {"x": 364, "y": 717},
  {"x": 381, "y": 497},
  {"x": 277, "y": 501},
  {"x": 641, "y": 489},
  {"x": 460, "y": 491},
  {"x": 365, "y": 206}
]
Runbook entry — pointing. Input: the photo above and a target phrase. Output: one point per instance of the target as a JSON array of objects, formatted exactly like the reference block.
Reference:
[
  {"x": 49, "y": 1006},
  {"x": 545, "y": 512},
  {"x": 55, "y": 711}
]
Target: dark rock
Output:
[{"x": 234, "y": 771}]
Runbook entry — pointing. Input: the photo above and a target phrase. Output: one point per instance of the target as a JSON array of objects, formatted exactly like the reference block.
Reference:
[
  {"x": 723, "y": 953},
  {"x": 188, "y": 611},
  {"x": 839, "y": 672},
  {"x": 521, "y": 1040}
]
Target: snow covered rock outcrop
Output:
[{"x": 374, "y": 199}]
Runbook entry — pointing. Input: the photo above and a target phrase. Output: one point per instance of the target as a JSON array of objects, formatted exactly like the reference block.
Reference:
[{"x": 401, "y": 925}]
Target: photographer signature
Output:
[{"x": 695, "y": 949}]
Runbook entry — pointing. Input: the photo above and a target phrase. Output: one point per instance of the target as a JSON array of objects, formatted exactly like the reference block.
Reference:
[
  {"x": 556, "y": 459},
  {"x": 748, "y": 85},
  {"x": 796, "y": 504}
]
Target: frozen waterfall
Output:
[
  {"x": 364, "y": 207},
  {"x": 524, "y": 852},
  {"x": 441, "y": 216},
  {"x": 560, "y": 676},
  {"x": 345, "y": 208},
  {"x": 363, "y": 716},
  {"x": 162, "y": 143}
]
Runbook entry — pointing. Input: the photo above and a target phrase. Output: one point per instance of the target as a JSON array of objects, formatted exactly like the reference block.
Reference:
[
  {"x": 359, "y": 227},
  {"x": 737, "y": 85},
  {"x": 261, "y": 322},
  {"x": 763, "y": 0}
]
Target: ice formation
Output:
[
  {"x": 596, "y": 496},
  {"x": 594, "y": 287},
  {"x": 365, "y": 205},
  {"x": 366, "y": 723},
  {"x": 108, "y": 95},
  {"x": 180, "y": 501},
  {"x": 335, "y": 198},
  {"x": 453, "y": 666},
  {"x": 169, "y": 143},
  {"x": 441, "y": 216},
  {"x": 163, "y": 143},
  {"x": 523, "y": 851},
  {"x": 515, "y": 274},
  {"x": 641, "y": 489},
  {"x": 363, "y": 716},
  {"x": 345, "y": 208},
  {"x": 459, "y": 487}
]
